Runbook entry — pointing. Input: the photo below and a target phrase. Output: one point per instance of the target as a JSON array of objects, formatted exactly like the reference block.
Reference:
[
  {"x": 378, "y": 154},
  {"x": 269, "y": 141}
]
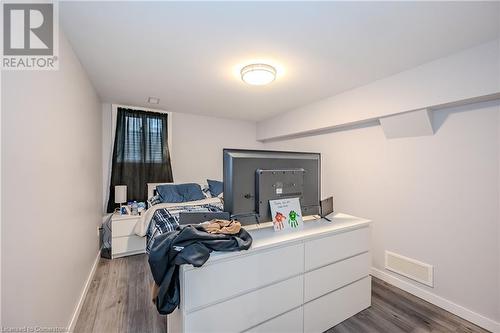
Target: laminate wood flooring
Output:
[
  {"x": 394, "y": 310},
  {"x": 119, "y": 301}
]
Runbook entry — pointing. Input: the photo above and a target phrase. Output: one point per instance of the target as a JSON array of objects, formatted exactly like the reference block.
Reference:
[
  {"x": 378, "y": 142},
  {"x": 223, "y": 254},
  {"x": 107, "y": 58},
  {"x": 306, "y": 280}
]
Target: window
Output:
[
  {"x": 140, "y": 153},
  {"x": 145, "y": 139}
]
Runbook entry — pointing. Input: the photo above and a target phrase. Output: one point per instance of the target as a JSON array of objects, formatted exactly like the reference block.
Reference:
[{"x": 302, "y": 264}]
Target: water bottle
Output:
[{"x": 135, "y": 208}]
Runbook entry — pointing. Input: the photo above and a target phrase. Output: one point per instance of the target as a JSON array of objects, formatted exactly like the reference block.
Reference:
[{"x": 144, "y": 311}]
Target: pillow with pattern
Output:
[
  {"x": 206, "y": 191},
  {"x": 154, "y": 200}
]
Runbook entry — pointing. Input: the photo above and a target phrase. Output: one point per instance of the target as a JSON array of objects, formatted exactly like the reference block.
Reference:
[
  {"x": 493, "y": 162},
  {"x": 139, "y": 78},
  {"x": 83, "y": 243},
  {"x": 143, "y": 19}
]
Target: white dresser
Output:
[{"x": 305, "y": 281}]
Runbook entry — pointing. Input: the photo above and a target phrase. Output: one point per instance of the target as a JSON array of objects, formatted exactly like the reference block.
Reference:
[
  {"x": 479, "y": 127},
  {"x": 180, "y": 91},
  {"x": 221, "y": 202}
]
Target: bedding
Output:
[{"x": 164, "y": 217}]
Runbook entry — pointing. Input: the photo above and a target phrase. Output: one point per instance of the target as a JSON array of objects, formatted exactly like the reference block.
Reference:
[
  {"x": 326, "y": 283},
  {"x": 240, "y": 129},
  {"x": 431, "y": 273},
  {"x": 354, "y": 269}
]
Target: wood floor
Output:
[
  {"x": 394, "y": 310},
  {"x": 119, "y": 301}
]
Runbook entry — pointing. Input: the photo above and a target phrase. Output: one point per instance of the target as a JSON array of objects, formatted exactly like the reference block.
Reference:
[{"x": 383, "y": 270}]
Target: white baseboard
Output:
[
  {"x": 439, "y": 301},
  {"x": 78, "y": 308}
]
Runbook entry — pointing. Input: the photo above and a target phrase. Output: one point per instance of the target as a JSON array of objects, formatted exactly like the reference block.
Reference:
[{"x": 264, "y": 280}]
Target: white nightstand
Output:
[{"x": 124, "y": 241}]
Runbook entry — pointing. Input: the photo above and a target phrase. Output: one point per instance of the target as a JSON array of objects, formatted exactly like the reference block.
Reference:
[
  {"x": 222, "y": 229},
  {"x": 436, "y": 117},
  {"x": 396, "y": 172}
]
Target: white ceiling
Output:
[{"x": 188, "y": 54}]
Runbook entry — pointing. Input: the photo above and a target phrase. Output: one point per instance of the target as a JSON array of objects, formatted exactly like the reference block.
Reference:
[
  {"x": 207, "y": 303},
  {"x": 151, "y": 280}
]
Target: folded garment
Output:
[{"x": 225, "y": 227}]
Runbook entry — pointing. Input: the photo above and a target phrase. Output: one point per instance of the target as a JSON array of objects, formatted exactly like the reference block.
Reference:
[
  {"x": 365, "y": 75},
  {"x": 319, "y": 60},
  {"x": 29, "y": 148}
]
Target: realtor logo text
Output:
[{"x": 30, "y": 38}]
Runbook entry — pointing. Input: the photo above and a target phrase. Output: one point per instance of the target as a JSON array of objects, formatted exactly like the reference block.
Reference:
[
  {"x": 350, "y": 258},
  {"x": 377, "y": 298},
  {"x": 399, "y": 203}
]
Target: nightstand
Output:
[{"x": 124, "y": 241}]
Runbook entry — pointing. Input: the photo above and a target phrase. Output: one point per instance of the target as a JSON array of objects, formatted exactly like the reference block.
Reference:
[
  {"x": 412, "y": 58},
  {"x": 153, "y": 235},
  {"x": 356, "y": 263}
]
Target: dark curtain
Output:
[{"x": 140, "y": 153}]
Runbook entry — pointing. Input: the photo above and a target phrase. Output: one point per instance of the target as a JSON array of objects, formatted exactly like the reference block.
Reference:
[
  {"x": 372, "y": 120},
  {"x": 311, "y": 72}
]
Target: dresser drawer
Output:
[
  {"x": 333, "y": 308},
  {"x": 328, "y": 278},
  {"x": 222, "y": 280},
  {"x": 121, "y": 228},
  {"x": 324, "y": 251},
  {"x": 124, "y": 245},
  {"x": 290, "y": 322},
  {"x": 243, "y": 312}
]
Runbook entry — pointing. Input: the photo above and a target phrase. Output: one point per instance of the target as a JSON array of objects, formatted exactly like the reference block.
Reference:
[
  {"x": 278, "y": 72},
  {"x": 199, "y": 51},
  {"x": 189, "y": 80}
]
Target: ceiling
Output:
[{"x": 188, "y": 54}]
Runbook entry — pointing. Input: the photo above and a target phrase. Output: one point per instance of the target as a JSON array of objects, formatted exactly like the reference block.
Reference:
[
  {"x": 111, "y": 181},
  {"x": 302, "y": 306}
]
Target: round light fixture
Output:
[{"x": 258, "y": 74}]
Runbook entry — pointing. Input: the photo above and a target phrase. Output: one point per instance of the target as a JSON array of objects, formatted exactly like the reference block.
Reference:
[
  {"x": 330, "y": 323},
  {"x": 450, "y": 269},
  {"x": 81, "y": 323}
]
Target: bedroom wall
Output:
[
  {"x": 196, "y": 147},
  {"x": 51, "y": 191},
  {"x": 432, "y": 198},
  {"x": 467, "y": 75},
  {"x": 198, "y": 141}
]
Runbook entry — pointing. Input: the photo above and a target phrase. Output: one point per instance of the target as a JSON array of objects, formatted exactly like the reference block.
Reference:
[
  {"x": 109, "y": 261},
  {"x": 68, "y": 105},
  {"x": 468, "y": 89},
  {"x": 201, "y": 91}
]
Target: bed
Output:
[{"x": 164, "y": 217}]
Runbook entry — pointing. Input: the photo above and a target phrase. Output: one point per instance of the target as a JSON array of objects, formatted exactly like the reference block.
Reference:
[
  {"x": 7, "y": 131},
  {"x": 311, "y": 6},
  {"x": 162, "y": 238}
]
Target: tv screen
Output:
[{"x": 253, "y": 177}]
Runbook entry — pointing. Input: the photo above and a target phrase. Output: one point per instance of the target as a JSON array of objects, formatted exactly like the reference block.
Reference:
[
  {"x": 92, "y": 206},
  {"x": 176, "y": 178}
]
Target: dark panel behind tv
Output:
[{"x": 239, "y": 167}]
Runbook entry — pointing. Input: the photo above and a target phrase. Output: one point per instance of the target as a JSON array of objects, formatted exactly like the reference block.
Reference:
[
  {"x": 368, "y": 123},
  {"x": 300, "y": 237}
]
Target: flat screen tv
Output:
[{"x": 253, "y": 177}]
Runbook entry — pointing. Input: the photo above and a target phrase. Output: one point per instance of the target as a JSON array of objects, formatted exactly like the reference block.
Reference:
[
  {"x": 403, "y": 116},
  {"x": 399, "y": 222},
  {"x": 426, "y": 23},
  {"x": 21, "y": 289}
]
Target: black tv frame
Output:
[{"x": 253, "y": 217}]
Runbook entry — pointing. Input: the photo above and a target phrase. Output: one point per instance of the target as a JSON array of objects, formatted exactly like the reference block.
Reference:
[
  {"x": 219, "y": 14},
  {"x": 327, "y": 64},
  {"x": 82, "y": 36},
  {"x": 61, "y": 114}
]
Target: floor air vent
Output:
[{"x": 410, "y": 268}]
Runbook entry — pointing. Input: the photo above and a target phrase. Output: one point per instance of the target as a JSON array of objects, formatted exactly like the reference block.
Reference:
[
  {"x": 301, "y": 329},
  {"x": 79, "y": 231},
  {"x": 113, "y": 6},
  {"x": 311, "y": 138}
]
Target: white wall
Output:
[
  {"x": 469, "y": 74},
  {"x": 432, "y": 198},
  {"x": 51, "y": 191},
  {"x": 198, "y": 142},
  {"x": 196, "y": 147}
]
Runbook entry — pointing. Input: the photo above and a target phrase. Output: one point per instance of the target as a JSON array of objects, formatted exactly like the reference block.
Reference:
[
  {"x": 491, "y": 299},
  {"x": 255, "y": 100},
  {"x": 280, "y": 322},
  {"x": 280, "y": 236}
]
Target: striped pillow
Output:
[{"x": 154, "y": 200}]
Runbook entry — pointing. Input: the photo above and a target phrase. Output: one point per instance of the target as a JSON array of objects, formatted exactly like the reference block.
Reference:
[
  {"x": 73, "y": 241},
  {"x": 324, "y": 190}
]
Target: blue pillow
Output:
[
  {"x": 180, "y": 192},
  {"x": 216, "y": 187}
]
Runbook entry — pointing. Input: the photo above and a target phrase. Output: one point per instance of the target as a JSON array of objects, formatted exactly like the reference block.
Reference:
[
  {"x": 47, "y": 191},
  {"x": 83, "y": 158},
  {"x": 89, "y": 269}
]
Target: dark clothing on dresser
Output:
[{"x": 189, "y": 244}]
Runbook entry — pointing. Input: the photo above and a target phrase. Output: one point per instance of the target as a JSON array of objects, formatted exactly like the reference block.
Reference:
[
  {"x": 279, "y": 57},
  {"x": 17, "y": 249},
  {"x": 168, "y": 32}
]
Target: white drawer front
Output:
[
  {"x": 331, "y": 309},
  {"x": 123, "y": 228},
  {"x": 241, "y": 313},
  {"x": 290, "y": 322},
  {"x": 331, "y": 277},
  {"x": 223, "y": 280},
  {"x": 122, "y": 245},
  {"x": 324, "y": 251}
]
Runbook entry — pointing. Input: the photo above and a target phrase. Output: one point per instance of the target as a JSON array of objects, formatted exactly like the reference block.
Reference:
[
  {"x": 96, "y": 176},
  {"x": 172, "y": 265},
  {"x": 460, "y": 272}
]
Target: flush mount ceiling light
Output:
[{"x": 258, "y": 74}]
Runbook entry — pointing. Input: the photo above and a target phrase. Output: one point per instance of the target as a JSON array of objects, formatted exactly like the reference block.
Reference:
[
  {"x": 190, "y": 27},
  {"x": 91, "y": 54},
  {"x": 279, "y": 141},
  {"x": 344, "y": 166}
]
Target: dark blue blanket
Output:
[{"x": 186, "y": 245}]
